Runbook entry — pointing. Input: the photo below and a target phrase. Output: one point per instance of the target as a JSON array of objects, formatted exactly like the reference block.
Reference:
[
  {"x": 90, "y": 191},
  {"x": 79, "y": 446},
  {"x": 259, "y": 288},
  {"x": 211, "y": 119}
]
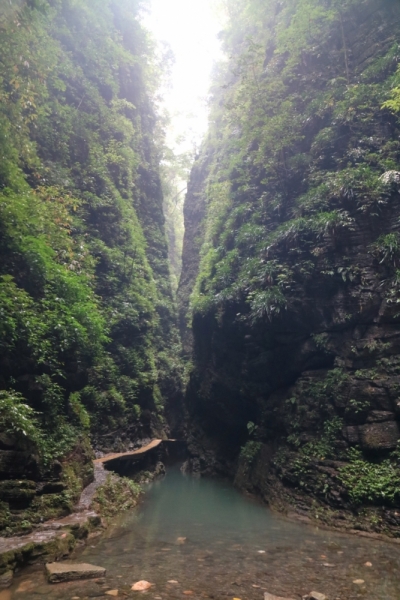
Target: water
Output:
[{"x": 215, "y": 543}]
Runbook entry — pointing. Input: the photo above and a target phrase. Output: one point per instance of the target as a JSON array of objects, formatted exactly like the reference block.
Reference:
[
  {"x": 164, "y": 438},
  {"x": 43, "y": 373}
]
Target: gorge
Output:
[{"x": 277, "y": 361}]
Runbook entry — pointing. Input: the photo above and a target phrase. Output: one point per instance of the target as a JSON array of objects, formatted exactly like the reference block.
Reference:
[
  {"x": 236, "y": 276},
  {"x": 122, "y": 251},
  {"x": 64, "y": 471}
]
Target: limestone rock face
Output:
[
  {"x": 59, "y": 572},
  {"x": 18, "y": 493},
  {"x": 380, "y": 436}
]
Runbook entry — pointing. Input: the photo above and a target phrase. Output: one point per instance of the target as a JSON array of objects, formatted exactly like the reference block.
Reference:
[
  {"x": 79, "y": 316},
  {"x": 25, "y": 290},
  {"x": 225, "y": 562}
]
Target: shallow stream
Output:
[{"x": 199, "y": 538}]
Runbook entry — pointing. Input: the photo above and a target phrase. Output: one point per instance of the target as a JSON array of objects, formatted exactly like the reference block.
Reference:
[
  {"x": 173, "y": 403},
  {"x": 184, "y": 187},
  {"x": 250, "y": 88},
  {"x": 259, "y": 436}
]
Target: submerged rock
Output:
[
  {"x": 59, "y": 572},
  {"x": 268, "y": 596}
]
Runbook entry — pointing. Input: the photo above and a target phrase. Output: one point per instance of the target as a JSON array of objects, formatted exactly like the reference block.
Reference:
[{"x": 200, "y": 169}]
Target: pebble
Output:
[
  {"x": 141, "y": 585},
  {"x": 359, "y": 581},
  {"x": 112, "y": 593},
  {"x": 188, "y": 593},
  {"x": 172, "y": 581},
  {"x": 261, "y": 551},
  {"x": 328, "y": 565},
  {"x": 368, "y": 564}
]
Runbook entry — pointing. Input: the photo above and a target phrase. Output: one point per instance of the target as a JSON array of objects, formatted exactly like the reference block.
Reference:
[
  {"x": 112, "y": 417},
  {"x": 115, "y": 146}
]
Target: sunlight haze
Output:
[{"x": 190, "y": 28}]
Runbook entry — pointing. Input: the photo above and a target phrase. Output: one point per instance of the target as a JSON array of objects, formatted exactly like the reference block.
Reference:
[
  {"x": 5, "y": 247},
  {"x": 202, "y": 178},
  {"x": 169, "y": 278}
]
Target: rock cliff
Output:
[{"x": 294, "y": 293}]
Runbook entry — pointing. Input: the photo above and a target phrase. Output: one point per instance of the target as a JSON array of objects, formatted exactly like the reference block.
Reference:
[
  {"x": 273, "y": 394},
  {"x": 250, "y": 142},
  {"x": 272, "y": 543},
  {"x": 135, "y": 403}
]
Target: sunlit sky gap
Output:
[{"x": 190, "y": 28}]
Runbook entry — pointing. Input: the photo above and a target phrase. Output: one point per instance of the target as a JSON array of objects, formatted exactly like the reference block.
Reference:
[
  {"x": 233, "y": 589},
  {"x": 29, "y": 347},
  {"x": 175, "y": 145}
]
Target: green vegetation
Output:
[
  {"x": 87, "y": 330},
  {"x": 368, "y": 482},
  {"x": 294, "y": 162},
  {"x": 115, "y": 495},
  {"x": 250, "y": 451}
]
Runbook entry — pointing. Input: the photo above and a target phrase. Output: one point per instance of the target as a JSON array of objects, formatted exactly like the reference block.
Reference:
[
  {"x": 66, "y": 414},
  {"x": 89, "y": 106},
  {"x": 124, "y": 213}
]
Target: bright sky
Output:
[{"x": 190, "y": 27}]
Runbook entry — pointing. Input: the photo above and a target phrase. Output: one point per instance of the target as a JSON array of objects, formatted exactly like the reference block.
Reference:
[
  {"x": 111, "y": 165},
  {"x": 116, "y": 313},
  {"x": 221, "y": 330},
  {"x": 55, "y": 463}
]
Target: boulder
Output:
[
  {"x": 59, "y": 572},
  {"x": 379, "y": 436}
]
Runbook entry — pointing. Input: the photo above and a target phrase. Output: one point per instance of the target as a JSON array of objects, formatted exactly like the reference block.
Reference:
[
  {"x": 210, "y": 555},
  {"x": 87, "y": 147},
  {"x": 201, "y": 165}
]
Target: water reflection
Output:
[{"x": 202, "y": 539}]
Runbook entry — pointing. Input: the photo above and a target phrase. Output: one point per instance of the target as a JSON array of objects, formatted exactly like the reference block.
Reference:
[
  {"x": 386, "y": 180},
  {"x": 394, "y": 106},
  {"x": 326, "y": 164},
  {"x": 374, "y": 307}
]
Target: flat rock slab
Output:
[
  {"x": 59, "y": 572},
  {"x": 272, "y": 597}
]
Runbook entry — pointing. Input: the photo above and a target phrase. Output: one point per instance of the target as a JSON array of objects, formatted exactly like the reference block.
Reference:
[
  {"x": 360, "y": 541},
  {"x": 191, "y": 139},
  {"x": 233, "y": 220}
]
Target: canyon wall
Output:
[{"x": 292, "y": 251}]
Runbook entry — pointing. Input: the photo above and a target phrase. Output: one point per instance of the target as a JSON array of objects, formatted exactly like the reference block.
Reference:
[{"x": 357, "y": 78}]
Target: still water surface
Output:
[{"x": 212, "y": 542}]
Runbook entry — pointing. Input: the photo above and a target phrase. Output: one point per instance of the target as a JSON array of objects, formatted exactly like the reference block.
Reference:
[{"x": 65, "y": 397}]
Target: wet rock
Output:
[
  {"x": 59, "y": 572},
  {"x": 379, "y": 436},
  {"x": 6, "y": 579},
  {"x": 268, "y": 596}
]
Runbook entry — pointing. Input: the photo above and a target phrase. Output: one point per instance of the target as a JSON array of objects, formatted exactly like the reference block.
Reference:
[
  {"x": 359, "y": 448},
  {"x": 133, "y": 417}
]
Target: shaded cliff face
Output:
[
  {"x": 194, "y": 215},
  {"x": 295, "y": 320}
]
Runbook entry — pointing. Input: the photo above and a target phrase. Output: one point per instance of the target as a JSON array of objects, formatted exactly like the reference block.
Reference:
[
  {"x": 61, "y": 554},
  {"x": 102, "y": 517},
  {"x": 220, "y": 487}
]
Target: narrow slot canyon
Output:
[{"x": 199, "y": 299}]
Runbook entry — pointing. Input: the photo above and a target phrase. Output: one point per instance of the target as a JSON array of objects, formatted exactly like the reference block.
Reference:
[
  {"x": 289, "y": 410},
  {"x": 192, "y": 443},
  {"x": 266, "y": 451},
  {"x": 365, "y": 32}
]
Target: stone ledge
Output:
[{"x": 53, "y": 541}]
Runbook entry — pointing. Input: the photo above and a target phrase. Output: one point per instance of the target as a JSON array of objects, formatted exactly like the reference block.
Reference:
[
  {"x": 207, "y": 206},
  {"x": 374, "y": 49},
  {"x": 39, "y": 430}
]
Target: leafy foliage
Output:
[
  {"x": 368, "y": 482},
  {"x": 293, "y": 162},
  {"x": 85, "y": 298}
]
